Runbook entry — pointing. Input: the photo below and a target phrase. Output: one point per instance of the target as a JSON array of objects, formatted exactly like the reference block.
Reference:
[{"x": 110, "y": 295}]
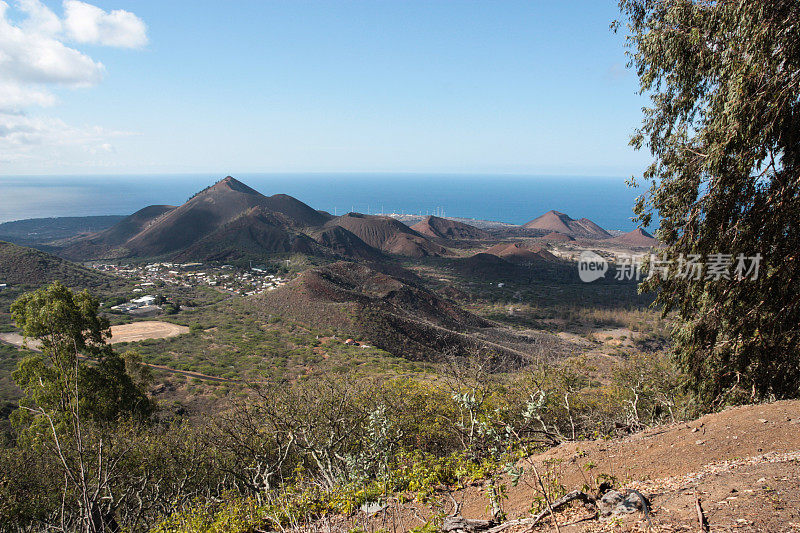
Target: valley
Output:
[
  {"x": 235, "y": 292},
  {"x": 399, "y": 267},
  {"x": 255, "y": 282}
]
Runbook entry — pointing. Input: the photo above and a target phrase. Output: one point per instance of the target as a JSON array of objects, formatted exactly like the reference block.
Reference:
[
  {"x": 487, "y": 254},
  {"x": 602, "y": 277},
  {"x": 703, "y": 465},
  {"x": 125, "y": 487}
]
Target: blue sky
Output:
[{"x": 533, "y": 87}]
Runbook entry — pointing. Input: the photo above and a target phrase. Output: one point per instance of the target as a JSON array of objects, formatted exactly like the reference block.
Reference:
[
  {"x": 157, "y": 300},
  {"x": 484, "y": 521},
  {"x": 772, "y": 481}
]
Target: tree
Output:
[
  {"x": 68, "y": 403},
  {"x": 724, "y": 131}
]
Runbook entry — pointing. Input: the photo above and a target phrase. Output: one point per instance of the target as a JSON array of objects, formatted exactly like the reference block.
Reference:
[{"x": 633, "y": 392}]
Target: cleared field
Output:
[
  {"x": 138, "y": 331},
  {"x": 17, "y": 340}
]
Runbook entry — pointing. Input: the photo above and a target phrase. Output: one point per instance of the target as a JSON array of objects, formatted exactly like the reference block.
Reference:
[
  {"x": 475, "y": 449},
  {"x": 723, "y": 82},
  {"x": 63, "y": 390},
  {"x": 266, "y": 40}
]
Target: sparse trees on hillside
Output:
[
  {"x": 68, "y": 404},
  {"x": 724, "y": 131}
]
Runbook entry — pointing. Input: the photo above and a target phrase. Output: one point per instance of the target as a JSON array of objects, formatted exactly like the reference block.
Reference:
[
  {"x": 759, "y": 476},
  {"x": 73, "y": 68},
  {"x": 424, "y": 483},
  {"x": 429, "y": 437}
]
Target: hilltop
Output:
[
  {"x": 389, "y": 235},
  {"x": 226, "y": 220},
  {"x": 555, "y": 221},
  {"x": 517, "y": 252},
  {"x": 638, "y": 238},
  {"x": 442, "y": 228},
  {"x": 32, "y": 268},
  {"x": 230, "y": 220},
  {"x": 210, "y": 211},
  {"x": 394, "y": 312}
]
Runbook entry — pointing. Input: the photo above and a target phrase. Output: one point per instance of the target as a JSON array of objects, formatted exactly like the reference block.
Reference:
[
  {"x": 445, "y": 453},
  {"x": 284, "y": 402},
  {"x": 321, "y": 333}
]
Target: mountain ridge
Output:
[
  {"x": 442, "y": 228},
  {"x": 227, "y": 219}
]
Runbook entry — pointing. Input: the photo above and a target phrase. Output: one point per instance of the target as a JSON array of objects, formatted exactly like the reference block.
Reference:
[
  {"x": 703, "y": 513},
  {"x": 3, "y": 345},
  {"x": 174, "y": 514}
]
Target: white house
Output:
[{"x": 144, "y": 300}]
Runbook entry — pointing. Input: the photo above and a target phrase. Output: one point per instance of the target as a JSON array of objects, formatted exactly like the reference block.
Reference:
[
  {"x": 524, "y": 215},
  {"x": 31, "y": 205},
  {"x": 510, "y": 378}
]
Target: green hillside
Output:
[{"x": 32, "y": 268}]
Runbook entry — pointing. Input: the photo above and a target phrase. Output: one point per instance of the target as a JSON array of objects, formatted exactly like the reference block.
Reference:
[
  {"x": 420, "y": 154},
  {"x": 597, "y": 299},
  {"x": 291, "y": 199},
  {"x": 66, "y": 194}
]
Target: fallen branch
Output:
[
  {"x": 562, "y": 501},
  {"x": 701, "y": 516},
  {"x": 459, "y": 524},
  {"x": 544, "y": 490}
]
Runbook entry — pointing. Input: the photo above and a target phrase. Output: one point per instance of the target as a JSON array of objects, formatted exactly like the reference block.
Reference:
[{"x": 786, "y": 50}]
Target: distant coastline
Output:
[{"x": 502, "y": 199}]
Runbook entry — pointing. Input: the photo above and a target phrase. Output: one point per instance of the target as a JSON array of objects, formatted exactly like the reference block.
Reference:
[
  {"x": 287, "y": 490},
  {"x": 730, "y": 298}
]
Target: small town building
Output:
[{"x": 144, "y": 300}]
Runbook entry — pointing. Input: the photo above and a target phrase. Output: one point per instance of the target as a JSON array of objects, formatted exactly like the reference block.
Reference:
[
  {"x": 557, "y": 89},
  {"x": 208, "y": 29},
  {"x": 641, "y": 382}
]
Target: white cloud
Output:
[
  {"x": 48, "y": 139},
  {"x": 29, "y": 54},
  {"x": 40, "y": 19},
  {"x": 36, "y": 53},
  {"x": 86, "y": 23},
  {"x": 16, "y": 96}
]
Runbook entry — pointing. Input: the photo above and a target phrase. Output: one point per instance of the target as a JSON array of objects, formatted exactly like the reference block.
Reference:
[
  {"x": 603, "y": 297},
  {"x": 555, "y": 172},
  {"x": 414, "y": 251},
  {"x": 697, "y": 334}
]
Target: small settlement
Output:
[{"x": 150, "y": 277}]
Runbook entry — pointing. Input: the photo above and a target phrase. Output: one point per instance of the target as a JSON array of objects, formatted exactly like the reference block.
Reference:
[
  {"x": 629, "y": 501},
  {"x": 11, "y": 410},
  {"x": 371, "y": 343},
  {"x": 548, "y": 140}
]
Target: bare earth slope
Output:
[
  {"x": 397, "y": 314},
  {"x": 638, "y": 238},
  {"x": 389, "y": 235},
  {"x": 555, "y": 221},
  {"x": 443, "y": 228},
  {"x": 251, "y": 234},
  {"x": 104, "y": 242},
  {"x": 743, "y": 464},
  {"x": 347, "y": 244}
]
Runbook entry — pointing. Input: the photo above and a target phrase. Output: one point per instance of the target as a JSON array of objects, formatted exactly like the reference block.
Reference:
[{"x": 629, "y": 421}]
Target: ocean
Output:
[{"x": 514, "y": 199}]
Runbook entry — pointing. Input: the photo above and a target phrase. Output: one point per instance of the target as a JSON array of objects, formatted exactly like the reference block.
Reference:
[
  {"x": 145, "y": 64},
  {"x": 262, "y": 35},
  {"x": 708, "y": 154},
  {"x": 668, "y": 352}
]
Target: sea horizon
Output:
[{"x": 510, "y": 198}]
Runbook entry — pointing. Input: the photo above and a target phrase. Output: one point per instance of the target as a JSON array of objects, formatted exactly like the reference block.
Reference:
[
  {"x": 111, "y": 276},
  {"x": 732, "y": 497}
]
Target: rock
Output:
[
  {"x": 699, "y": 442},
  {"x": 762, "y": 420},
  {"x": 620, "y": 502},
  {"x": 459, "y": 524},
  {"x": 371, "y": 508}
]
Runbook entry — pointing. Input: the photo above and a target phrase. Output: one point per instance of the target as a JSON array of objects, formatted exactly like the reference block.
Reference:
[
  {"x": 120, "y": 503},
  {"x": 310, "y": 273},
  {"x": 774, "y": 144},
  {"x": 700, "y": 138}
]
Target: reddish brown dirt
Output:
[
  {"x": 555, "y": 237},
  {"x": 449, "y": 229},
  {"x": 637, "y": 238},
  {"x": 556, "y": 221},
  {"x": 743, "y": 464},
  {"x": 520, "y": 252}
]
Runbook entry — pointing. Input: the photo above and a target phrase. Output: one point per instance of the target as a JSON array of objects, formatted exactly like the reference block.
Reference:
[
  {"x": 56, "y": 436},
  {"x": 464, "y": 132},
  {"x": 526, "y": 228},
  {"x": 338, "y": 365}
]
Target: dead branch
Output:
[
  {"x": 459, "y": 524},
  {"x": 701, "y": 516}
]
